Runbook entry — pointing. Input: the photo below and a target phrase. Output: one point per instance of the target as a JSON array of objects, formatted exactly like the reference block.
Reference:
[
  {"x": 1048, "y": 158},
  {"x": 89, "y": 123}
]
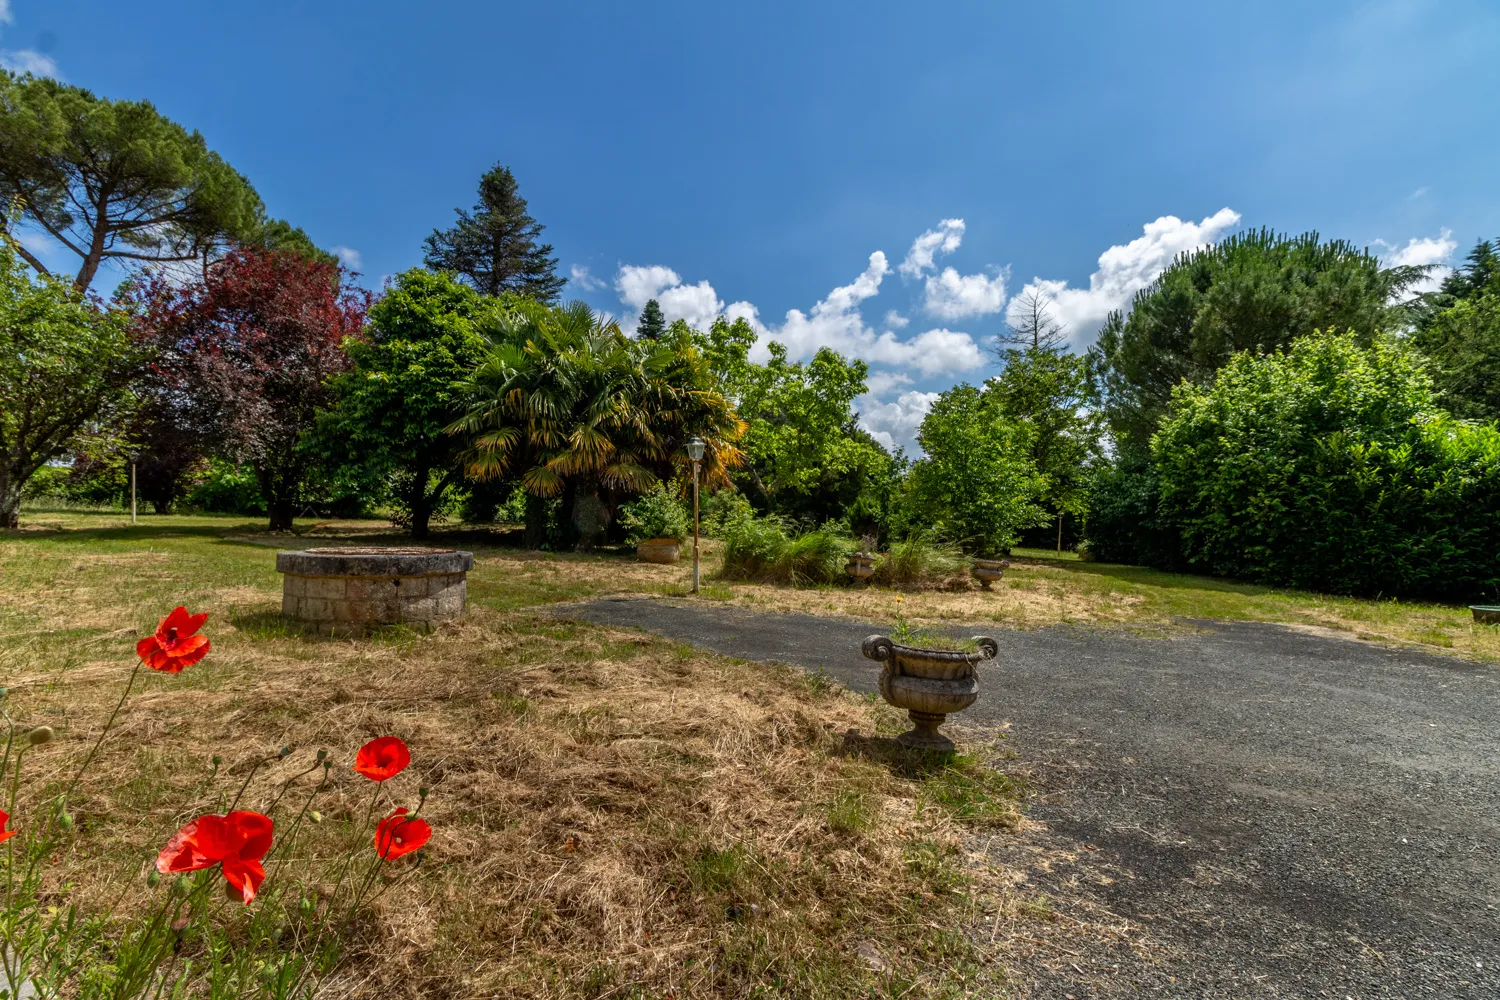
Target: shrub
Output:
[
  {"x": 657, "y": 514},
  {"x": 1329, "y": 467},
  {"x": 1124, "y": 524},
  {"x": 720, "y": 511},
  {"x": 227, "y": 488}
]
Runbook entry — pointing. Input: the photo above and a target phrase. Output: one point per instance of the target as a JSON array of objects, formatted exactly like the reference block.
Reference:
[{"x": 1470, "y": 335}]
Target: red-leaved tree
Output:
[{"x": 244, "y": 358}]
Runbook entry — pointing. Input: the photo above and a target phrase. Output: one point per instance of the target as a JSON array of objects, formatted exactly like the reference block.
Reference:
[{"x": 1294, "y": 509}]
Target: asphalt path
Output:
[{"x": 1284, "y": 814}]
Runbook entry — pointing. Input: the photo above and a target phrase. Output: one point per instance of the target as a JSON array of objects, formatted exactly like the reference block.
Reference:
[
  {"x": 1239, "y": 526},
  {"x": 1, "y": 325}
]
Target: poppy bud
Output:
[
  {"x": 40, "y": 735},
  {"x": 4, "y": 692},
  {"x": 306, "y": 906},
  {"x": 65, "y": 821},
  {"x": 322, "y": 755},
  {"x": 218, "y": 760},
  {"x": 286, "y": 751},
  {"x": 327, "y": 764},
  {"x": 181, "y": 885},
  {"x": 422, "y": 792},
  {"x": 153, "y": 878},
  {"x": 315, "y": 816}
]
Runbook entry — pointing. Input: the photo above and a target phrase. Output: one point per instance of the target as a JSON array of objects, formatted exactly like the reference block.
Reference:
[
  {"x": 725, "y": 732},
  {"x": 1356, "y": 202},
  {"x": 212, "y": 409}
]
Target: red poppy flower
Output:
[
  {"x": 175, "y": 644},
  {"x": 382, "y": 758},
  {"x": 396, "y": 836},
  {"x": 236, "y": 842},
  {"x": 4, "y": 822}
]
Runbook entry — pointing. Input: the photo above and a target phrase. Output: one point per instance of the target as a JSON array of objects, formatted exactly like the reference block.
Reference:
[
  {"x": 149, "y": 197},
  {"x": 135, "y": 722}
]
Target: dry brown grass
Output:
[{"x": 616, "y": 815}]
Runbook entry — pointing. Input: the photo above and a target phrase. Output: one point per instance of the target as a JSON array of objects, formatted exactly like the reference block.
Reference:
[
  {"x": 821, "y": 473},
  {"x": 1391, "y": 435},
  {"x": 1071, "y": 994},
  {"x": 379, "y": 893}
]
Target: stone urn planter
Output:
[
  {"x": 658, "y": 550},
  {"x": 987, "y": 571},
  {"x": 350, "y": 590},
  {"x": 930, "y": 684},
  {"x": 1485, "y": 614},
  {"x": 861, "y": 566}
]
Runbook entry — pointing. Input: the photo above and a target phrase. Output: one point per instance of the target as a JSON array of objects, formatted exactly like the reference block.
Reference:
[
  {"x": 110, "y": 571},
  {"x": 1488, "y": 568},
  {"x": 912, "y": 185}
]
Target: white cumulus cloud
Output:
[
  {"x": 580, "y": 276},
  {"x": 698, "y": 304},
  {"x": 5, "y": 12},
  {"x": 945, "y": 239},
  {"x": 350, "y": 257},
  {"x": 29, "y": 61},
  {"x": 834, "y": 322},
  {"x": 896, "y": 321},
  {"x": 1123, "y": 271},
  {"x": 1426, "y": 251},
  {"x": 894, "y": 422},
  {"x": 951, "y": 295}
]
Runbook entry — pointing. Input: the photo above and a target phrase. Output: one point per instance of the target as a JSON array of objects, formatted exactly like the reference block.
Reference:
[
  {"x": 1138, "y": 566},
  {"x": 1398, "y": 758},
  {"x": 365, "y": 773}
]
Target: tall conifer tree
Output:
[
  {"x": 496, "y": 246},
  {"x": 653, "y": 324}
]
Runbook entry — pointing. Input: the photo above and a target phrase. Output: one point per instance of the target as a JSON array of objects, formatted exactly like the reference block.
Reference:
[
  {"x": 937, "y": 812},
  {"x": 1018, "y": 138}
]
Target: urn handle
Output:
[
  {"x": 880, "y": 647},
  {"x": 988, "y": 648}
]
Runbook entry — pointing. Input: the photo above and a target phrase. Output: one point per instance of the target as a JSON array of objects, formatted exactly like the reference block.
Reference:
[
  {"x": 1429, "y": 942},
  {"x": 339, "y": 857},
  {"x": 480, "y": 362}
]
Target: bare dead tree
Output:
[{"x": 1031, "y": 325}]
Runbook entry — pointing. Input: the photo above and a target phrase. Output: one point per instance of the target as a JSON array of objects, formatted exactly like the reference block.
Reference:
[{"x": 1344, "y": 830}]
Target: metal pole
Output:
[
  {"x": 1059, "y": 534},
  {"x": 695, "y": 527},
  {"x": 132, "y": 491}
]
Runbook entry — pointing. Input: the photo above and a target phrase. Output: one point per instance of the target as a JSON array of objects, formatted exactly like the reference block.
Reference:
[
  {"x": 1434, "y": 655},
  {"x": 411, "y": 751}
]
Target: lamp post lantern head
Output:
[{"x": 695, "y": 449}]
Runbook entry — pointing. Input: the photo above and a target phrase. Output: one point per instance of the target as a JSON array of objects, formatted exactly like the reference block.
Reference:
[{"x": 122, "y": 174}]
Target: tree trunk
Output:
[
  {"x": 421, "y": 516},
  {"x": 536, "y": 521},
  {"x": 10, "y": 500},
  {"x": 281, "y": 514}
]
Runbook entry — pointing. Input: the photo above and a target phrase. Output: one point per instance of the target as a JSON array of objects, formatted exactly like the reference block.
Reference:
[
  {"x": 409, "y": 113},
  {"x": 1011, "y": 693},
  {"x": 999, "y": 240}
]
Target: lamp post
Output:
[
  {"x": 695, "y": 452},
  {"x": 134, "y": 456}
]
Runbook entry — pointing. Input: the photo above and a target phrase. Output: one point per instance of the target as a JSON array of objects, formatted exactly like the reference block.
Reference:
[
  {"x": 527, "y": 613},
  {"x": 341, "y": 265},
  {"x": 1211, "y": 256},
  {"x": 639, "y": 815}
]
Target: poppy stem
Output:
[{"x": 107, "y": 726}]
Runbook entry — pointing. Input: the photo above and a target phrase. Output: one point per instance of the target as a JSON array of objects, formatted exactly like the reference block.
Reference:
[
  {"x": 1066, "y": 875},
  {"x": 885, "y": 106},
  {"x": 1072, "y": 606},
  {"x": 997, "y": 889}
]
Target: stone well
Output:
[{"x": 351, "y": 590}]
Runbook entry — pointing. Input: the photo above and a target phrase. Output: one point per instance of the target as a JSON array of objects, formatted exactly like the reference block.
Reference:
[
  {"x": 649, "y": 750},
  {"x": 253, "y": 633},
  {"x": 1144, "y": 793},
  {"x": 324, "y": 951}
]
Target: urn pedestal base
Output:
[{"x": 924, "y": 734}]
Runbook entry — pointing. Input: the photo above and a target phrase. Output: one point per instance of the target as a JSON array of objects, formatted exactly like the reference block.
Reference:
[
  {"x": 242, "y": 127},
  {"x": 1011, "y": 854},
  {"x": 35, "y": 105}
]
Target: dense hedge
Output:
[
  {"x": 1124, "y": 521},
  {"x": 1329, "y": 467}
]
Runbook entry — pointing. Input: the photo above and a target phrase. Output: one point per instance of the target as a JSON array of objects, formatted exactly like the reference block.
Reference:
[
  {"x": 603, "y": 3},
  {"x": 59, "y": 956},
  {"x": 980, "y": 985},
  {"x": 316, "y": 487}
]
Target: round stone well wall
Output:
[{"x": 354, "y": 589}]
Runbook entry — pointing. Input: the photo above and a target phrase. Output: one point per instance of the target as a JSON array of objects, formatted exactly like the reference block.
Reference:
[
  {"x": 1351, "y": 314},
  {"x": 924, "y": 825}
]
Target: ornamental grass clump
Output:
[
  {"x": 298, "y": 916},
  {"x": 918, "y": 563},
  {"x": 760, "y": 549}
]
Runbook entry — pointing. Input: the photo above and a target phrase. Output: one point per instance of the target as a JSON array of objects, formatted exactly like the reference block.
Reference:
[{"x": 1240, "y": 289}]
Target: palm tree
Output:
[{"x": 569, "y": 406}]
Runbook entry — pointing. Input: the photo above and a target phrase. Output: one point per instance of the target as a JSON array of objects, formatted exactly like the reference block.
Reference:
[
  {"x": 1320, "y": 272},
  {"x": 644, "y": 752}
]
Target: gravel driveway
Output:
[{"x": 1282, "y": 814}]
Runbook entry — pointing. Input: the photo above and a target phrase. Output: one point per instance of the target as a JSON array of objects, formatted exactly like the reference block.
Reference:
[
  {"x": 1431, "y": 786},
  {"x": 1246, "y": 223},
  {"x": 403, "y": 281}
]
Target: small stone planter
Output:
[
  {"x": 658, "y": 550},
  {"x": 930, "y": 684},
  {"x": 987, "y": 571},
  {"x": 861, "y": 566},
  {"x": 352, "y": 590},
  {"x": 1485, "y": 614}
]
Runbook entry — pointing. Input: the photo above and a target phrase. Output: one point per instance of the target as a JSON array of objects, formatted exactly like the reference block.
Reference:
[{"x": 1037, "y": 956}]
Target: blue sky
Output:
[{"x": 754, "y": 159}]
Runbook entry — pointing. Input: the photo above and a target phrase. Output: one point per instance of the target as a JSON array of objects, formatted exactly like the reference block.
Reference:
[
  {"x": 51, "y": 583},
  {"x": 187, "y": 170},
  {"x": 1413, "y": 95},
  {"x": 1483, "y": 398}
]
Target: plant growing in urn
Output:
[
  {"x": 929, "y": 683},
  {"x": 657, "y": 523}
]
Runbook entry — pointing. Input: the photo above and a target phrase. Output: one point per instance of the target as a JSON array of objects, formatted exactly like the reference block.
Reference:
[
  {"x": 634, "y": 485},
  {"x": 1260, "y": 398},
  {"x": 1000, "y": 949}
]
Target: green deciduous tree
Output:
[
  {"x": 422, "y": 342},
  {"x": 1051, "y": 392},
  {"x": 977, "y": 484},
  {"x": 1328, "y": 466},
  {"x": 495, "y": 246},
  {"x": 1255, "y": 291},
  {"x": 64, "y": 365},
  {"x": 807, "y": 458},
  {"x": 117, "y": 181}
]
